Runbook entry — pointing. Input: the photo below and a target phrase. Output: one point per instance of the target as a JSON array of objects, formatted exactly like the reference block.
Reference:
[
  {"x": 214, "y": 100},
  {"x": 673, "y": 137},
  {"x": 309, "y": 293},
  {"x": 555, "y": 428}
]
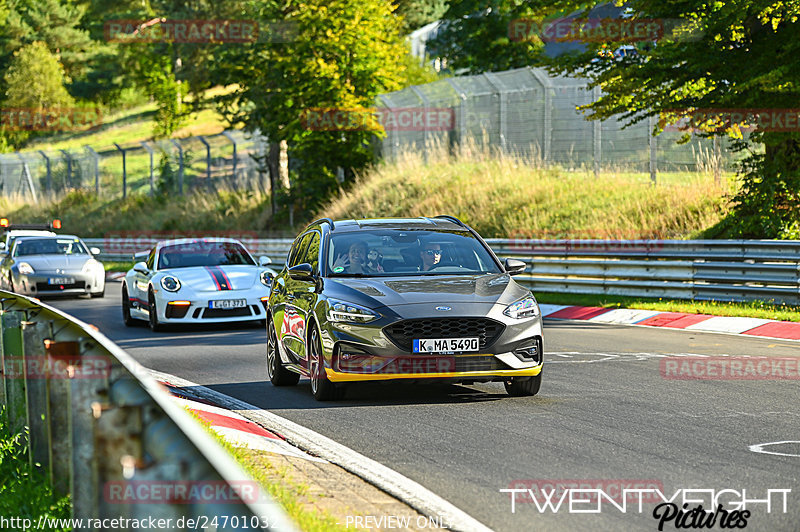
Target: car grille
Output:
[
  {"x": 403, "y": 333},
  {"x": 226, "y": 312},
  {"x": 44, "y": 287}
]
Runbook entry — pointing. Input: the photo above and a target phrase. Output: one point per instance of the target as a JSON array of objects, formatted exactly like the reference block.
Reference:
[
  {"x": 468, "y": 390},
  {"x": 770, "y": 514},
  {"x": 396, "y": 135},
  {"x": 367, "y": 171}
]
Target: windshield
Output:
[
  {"x": 50, "y": 246},
  {"x": 203, "y": 253},
  {"x": 401, "y": 252}
]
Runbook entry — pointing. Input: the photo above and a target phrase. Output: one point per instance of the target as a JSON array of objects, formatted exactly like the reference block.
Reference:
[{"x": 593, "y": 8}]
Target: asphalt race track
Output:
[{"x": 605, "y": 414}]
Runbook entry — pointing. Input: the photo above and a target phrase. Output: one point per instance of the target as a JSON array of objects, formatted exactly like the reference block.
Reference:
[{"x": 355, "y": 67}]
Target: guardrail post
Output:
[
  {"x": 124, "y": 172},
  {"x": 49, "y": 172},
  {"x": 83, "y": 480},
  {"x": 33, "y": 336},
  {"x": 13, "y": 370},
  {"x": 61, "y": 360},
  {"x": 118, "y": 443}
]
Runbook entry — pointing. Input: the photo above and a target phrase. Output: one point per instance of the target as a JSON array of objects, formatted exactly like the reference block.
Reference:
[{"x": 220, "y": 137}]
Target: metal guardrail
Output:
[
  {"x": 725, "y": 270},
  {"x": 111, "y": 436}
]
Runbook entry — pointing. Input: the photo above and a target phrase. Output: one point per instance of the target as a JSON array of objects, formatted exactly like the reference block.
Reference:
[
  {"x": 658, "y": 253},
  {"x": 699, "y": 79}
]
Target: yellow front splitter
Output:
[{"x": 335, "y": 376}]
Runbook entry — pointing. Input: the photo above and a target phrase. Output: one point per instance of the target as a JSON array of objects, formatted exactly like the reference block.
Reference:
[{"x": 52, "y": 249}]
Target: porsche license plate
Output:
[
  {"x": 445, "y": 345},
  {"x": 60, "y": 280},
  {"x": 227, "y": 303}
]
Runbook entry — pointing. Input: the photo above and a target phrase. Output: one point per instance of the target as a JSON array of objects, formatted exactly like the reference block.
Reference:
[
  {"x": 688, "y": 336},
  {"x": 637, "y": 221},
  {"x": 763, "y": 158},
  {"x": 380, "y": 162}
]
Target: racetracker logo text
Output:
[
  {"x": 730, "y": 368},
  {"x": 180, "y": 492},
  {"x": 375, "y": 119},
  {"x": 746, "y": 120},
  {"x": 122, "y": 242},
  {"x": 601, "y": 30},
  {"x": 197, "y": 31},
  {"x": 57, "y": 367},
  {"x": 54, "y": 119}
]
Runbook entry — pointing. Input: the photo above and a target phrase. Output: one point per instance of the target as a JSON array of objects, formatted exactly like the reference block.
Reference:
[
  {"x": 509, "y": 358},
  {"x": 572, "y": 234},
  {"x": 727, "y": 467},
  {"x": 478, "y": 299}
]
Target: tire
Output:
[
  {"x": 101, "y": 293},
  {"x": 152, "y": 320},
  {"x": 277, "y": 374},
  {"x": 127, "y": 319},
  {"x": 524, "y": 386},
  {"x": 321, "y": 387}
]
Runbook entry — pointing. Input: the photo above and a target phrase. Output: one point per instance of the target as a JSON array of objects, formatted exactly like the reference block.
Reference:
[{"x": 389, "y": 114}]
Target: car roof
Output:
[
  {"x": 421, "y": 223},
  {"x": 45, "y": 237},
  {"x": 178, "y": 241},
  {"x": 14, "y": 233}
]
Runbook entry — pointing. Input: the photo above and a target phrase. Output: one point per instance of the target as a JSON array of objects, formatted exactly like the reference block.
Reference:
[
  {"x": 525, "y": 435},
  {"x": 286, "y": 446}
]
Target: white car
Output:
[{"x": 197, "y": 280}]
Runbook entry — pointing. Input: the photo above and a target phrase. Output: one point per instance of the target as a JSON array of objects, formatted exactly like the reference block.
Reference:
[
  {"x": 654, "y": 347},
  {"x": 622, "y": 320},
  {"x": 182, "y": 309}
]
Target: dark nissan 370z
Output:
[{"x": 390, "y": 299}]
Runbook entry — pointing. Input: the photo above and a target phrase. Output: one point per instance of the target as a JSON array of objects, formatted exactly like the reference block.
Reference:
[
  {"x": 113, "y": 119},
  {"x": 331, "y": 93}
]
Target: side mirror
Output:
[
  {"x": 141, "y": 267},
  {"x": 302, "y": 272},
  {"x": 263, "y": 260},
  {"x": 94, "y": 251},
  {"x": 514, "y": 266},
  {"x": 2, "y": 245}
]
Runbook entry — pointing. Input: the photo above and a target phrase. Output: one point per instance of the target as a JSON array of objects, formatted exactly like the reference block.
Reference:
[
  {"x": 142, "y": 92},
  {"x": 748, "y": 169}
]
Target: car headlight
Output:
[
  {"x": 170, "y": 283},
  {"x": 266, "y": 278},
  {"x": 348, "y": 312},
  {"x": 25, "y": 268},
  {"x": 527, "y": 307}
]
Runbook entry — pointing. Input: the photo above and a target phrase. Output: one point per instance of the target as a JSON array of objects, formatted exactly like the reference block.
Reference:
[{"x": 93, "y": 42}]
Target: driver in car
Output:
[{"x": 431, "y": 255}]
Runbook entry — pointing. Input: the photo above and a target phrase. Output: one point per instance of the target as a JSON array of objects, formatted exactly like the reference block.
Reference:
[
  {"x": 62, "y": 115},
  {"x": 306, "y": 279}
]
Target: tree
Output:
[
  {"x": 418, "y": 13},
  {"x": 727, "y": 55},
  {"x": 344, "y": 53},
  {"x": 35, "y": 81}
]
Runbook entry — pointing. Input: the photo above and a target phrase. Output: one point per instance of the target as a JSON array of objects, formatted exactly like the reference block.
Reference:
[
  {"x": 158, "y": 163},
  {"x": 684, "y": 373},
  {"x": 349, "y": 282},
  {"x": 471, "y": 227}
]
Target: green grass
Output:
[
  {"x": 752, "y": 309},
  {"x": 25, "y": 492},
  {"x": 86, "y": 215},
  {"x": 504, "y": 196},
  {"x": 286, "y": 492}
]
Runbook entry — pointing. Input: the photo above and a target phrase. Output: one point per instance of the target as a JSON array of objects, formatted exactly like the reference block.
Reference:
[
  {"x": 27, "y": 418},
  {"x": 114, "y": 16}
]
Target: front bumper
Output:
[
  {"x": 198, "y": 310},
  {"x": 364, "y": 352},
  {"x": 38, "y": 284}
]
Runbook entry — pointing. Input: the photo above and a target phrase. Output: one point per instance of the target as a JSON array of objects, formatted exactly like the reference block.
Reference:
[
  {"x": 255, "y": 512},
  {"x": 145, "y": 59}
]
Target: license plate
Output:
[
  {"x": 445, "y": 345},
  {"x": 60, "y": 280},
  {"x": 227, "y": 303}
]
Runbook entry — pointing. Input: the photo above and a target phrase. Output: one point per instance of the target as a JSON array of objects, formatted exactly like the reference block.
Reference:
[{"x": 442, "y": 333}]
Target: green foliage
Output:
[
  {"x": 727, "y": 55},
  {"x": 25, "y": 492},
  {"x": 34, "y": 81},
  {"x": 417, "y": 13},
  {"x": 345, "y": 53}
]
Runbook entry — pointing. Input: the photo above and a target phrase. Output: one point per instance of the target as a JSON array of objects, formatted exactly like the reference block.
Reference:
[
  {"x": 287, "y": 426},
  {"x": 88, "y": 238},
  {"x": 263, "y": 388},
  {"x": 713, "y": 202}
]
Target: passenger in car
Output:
[
  {"x": 354, "y": 261},
  {"x": 431, "y": 255}
]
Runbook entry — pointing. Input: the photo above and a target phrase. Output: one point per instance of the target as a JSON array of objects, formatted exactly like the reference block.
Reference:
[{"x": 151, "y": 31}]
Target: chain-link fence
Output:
[
  {"x": 532, "y": 114},
  {"x": 210, "y": 162}
]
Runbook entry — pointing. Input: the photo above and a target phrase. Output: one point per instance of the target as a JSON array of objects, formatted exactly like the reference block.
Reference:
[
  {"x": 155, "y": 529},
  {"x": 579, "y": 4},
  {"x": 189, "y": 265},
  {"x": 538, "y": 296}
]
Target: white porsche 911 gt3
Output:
[{"x": 208, "y": 280}]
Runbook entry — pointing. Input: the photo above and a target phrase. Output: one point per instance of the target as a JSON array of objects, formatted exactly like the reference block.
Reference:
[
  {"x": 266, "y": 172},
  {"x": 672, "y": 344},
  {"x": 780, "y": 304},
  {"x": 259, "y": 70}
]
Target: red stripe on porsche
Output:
[{"x": 220, "y": 279}]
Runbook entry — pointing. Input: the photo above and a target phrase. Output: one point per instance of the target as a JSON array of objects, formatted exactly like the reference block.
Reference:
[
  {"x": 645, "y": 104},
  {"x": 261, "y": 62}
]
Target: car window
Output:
[
  {"x": 151, "y": 259},
  {"x": 50, "y": 246},
  {"x": 401, "y": 252},
  {"x": 203, "y": 253},
  {"x": 299, "y": 251},
  {"x": 311, "y": 254}
]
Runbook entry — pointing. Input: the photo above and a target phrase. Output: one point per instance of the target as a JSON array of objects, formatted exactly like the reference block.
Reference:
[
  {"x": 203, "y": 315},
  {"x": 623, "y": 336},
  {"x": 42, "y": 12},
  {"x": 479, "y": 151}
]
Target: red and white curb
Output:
[
  {"x": 413, "y": 494},
  {"x": 762, "y": 328},
  {"x": 236, "y": 429}
]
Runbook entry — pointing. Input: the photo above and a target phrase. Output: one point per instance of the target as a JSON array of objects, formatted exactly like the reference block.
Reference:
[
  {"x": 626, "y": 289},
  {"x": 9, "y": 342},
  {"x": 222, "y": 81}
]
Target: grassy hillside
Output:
[
  {"x": 502, "y": 196},
  {"x": 498, "y": 195}
]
